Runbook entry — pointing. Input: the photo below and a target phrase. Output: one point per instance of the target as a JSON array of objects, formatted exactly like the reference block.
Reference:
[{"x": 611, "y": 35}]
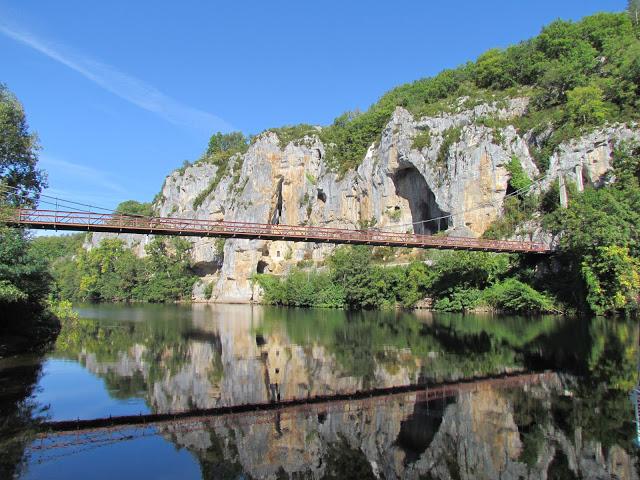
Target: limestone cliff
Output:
[{"x": 458, "y": 177}]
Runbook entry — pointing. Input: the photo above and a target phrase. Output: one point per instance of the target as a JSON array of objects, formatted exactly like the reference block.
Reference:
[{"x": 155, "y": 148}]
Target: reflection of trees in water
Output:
[
  {"x": 19, "y": 415},
  {"x": 456, "y": 346},
  {"x": 165, "y": 342},
  {"x": 599, "y": 355}
]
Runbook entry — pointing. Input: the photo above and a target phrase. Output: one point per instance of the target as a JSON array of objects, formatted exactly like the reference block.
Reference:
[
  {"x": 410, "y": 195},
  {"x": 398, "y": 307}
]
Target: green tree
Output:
[
  {"x": 612, "y": 277},
  {"x": 351, "y": 268},
  {"x": 226, "y": 142},
  {"x": 132, "y": 207},
  {"x": 24, "y": 281},
  {"x": 599, "y": 236},
  {"x": 167, "y": 271},
  {"x": 20, "y": 179},
  {"x": 586, "y": 105},
  {"x": 491, "y": 70},
  {"x": 519, "y": 180},
  {"x": 23, "y": 276},
  {"x": 108, "y": 272}
]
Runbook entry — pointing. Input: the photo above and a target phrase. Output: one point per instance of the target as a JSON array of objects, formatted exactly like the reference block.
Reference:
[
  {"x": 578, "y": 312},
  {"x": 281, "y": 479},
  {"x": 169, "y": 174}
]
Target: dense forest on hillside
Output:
[{"x": 578, "y": 74}]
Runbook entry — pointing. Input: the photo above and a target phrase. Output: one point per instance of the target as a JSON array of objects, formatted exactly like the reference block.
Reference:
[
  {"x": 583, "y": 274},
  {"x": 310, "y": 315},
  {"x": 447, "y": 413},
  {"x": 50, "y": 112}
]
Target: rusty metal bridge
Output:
[{"x": 119, "y": 223}]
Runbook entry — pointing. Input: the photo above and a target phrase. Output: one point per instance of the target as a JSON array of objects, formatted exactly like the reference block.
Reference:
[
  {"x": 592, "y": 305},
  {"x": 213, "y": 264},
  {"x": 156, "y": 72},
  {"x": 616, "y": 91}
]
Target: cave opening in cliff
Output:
[
  {"x": 262, "y": 266},
  {"x": 276, "y": 216},
  {"x": 426, "y": 214},
  {"x": 419, "y": 429}
]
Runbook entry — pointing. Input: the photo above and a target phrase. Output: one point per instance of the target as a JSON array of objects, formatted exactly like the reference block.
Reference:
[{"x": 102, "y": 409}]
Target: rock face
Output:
[{"x": 459, "y": 178}]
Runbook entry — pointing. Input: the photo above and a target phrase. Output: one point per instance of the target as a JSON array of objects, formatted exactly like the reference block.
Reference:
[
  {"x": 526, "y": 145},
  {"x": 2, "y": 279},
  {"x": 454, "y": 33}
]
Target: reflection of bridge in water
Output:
[
  {"x": 117, "y": 223},
  {"x": 266, "y": 412}
]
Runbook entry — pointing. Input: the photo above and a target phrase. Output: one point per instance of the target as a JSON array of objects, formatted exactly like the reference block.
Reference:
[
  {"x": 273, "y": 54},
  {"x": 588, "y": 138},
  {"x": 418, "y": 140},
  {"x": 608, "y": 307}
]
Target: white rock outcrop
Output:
[{"x": 396, "y": 186}]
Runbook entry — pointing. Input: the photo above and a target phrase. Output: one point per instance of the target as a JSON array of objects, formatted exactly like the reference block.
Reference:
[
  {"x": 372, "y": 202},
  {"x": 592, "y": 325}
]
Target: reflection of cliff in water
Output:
[
  {"x": 488, "y": 433},
  {"x": 232, "y": 355},
  {"x": 235, "y": 355}
]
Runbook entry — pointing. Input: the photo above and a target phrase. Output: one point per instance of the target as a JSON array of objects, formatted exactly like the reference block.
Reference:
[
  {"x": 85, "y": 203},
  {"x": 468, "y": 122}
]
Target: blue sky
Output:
[{"x": 121, "y": 92}]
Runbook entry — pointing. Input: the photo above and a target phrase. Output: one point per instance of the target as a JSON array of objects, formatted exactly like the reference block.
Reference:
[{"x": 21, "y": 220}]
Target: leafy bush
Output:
[
  {"x": 132, "y": 207},
  {"x": 519, "y": 180},
  {"x": 422, "y": 140},
  {"x": 208, "y": 290},
  {"x": 450, "y": 136},
  {"x": 219, "y": 246},
  {"x": 293, "y": 133},
  {"x": 586, "y": 105},
  {"x": 63, "y": 310},
  {"x": 612, "y": 278},
  {"x": 511, "y": 295},
  {"x": 394, "y": 214},
  {"x": 221, "y": 143},
  {"x": 302, "y": 289},
  {"x": 310, "y": 178},
  {"x": 459, "y": 300}
]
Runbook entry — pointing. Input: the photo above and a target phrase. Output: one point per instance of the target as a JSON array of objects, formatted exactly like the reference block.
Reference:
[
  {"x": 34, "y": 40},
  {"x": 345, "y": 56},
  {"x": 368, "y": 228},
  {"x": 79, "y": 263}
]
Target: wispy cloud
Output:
[
  {"x": 119, "y": 83},
  {"x": 90, "y": 176}
]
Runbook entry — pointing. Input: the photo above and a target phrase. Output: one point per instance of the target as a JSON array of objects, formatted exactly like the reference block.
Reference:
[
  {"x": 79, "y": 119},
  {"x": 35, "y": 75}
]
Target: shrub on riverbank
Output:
[{"x": 458, "y": 281}]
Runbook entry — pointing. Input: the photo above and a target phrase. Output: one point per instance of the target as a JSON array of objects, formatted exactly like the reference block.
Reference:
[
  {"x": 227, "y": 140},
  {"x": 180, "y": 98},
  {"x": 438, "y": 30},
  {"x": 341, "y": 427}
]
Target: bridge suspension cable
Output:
[{"x": 58, "y": 200}]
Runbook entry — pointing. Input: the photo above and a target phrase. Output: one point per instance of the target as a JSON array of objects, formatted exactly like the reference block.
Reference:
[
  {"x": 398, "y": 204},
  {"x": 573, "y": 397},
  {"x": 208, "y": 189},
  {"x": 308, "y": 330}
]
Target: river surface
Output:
[{"x": 505, "y": 397}]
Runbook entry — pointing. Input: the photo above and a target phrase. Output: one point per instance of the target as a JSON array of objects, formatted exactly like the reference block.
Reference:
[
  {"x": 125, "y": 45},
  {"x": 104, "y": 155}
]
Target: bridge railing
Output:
[{"x": 160, "y": 225}]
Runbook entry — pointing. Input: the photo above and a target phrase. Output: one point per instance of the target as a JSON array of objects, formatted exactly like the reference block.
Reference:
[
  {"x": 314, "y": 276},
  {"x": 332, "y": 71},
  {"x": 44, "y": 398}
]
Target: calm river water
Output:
[{"x": 496, "y": 417}]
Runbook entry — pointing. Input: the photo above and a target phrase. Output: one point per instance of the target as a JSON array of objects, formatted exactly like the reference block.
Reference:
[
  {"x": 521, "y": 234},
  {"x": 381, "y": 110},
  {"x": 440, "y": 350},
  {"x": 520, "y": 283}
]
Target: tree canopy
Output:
[
  {"x": 132, "y": 207},
  {"x": 21, "y": 181}
]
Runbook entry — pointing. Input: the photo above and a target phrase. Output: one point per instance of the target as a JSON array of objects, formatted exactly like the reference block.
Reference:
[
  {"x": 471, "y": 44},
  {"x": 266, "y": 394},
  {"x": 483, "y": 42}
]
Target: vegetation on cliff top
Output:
[
  {"x": 132, "y": 207},
  {"x": 579, "y": 75},
  {"x": 222, "y": 147}
]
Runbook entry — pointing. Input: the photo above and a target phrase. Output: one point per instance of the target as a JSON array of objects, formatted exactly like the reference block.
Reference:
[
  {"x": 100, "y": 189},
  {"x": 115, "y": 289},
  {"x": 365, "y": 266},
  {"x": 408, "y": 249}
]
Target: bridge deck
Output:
[{"x": 116, "y": 223}]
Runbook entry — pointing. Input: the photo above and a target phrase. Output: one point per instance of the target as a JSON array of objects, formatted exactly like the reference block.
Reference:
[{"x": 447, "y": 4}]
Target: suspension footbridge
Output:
[{"x": 83, "y": 221}]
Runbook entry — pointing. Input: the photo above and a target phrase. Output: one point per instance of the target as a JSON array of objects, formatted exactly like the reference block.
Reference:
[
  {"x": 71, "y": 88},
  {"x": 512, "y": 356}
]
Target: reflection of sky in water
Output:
[
  {"x": 72, "y": 392},
  {"x": 148, "y": 457}
]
